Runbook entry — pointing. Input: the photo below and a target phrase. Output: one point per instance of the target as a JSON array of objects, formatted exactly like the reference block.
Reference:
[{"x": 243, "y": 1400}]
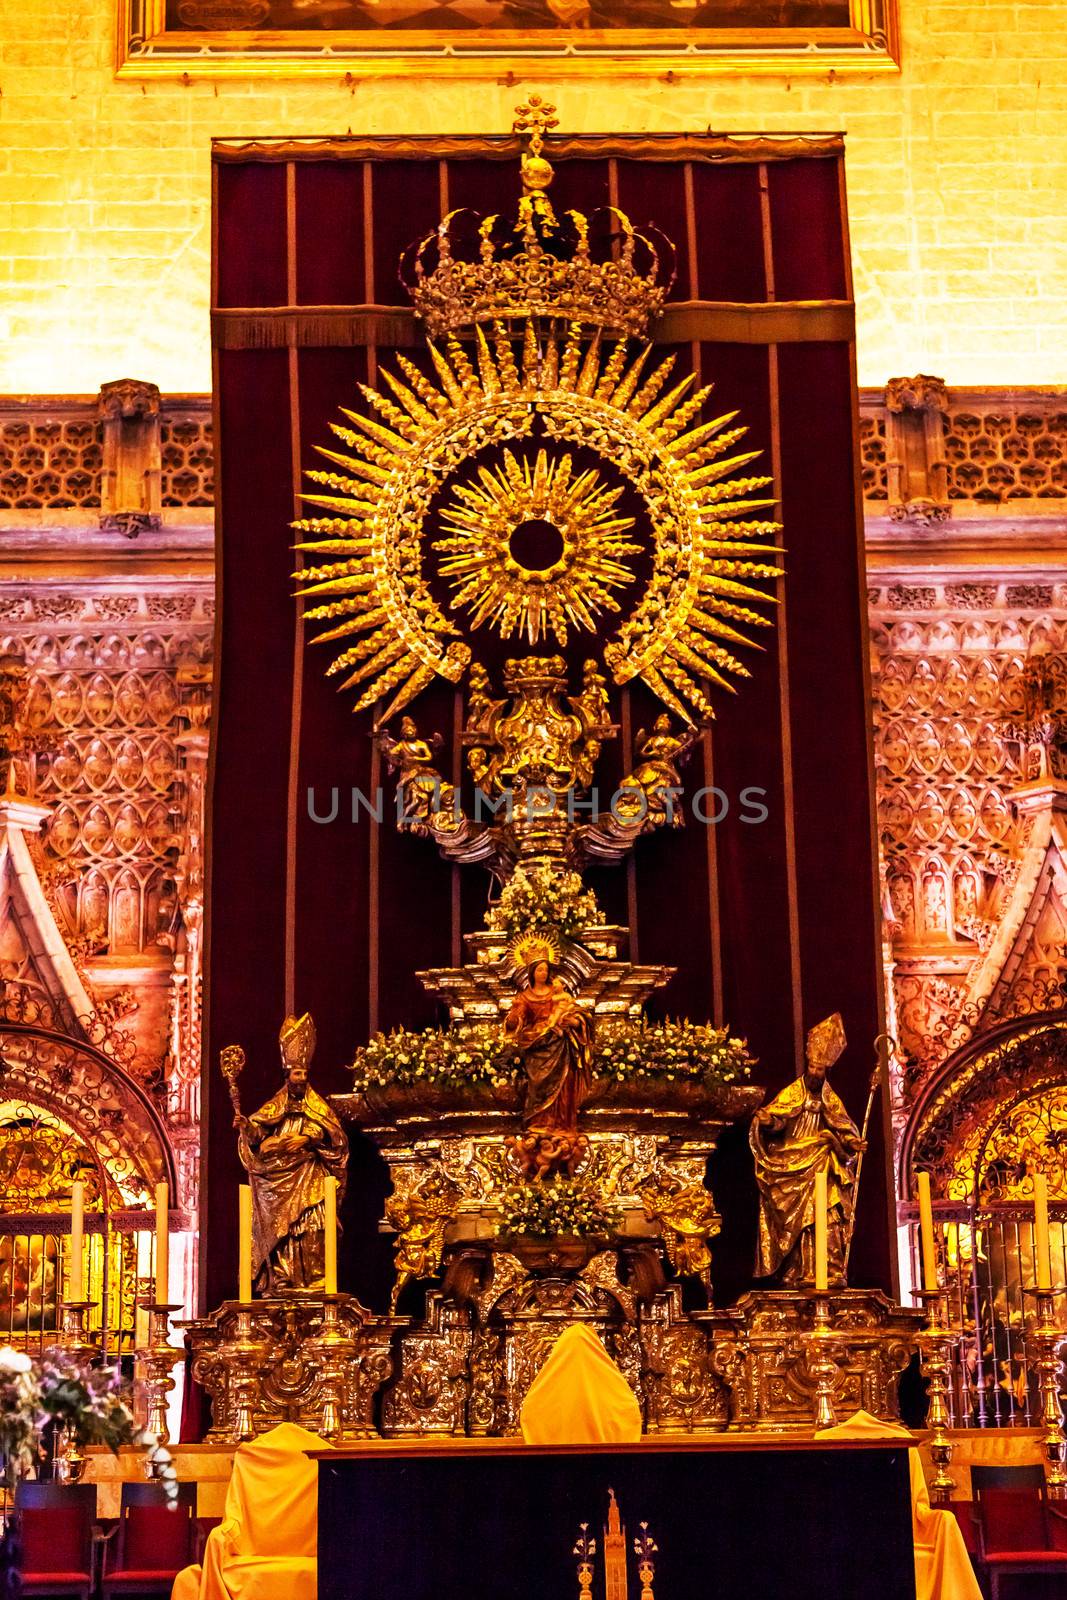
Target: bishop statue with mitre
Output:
[
  {"x": 289, "y": 1147},
  {"x": 805, "y": 1130}
]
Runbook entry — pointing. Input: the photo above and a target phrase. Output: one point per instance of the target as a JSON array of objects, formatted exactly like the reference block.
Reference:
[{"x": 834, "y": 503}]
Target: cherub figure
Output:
[
  {"x": 686, "y": 1212},
  {"x": 420, "y": 1220}
]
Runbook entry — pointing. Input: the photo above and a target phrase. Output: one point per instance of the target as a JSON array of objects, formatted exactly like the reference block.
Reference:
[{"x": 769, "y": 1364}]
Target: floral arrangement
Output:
[
  {"x": 57, "y": 1393},
  {"x": 686, "y": 1052},
  {"x": 539, "y": 898},
  {"x": 435, "y": 1057},
  {"x": 19, "y": 1413},
  {"x": 678, "y": 1051},
  {"x": 568, "y": 1206}
]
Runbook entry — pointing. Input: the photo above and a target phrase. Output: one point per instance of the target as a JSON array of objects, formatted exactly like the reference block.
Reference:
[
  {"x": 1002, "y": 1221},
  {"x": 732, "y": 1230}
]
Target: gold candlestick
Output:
[
  {"x": 335, "y": 1352},
  {"x": 935, "y": 1349},
  {"x": 157, "y": 1357},
  {"x": 72, "y": 1334},
  {"x": 242, "y": 1355},
  {"x": 1049, "y": 1339},
  {"x": 822, "y": 1363}
]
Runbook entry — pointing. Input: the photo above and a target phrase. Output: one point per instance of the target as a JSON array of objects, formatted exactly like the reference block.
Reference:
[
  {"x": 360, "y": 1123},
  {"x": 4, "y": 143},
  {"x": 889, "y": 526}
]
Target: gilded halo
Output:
[
  {"x": 533, "y": 945},
  {"x": 682, "y": 632},
  {"x": 496, "y": 587}
]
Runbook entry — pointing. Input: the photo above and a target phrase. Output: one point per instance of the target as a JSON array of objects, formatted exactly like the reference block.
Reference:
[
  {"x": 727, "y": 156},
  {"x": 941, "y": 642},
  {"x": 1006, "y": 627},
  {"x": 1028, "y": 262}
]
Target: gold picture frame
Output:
[{"x": 198, "y": 38}]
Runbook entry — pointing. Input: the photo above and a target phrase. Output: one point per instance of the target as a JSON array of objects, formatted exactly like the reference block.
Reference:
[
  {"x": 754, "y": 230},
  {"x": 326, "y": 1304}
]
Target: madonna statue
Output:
[{"x": 554, "y": 1038}]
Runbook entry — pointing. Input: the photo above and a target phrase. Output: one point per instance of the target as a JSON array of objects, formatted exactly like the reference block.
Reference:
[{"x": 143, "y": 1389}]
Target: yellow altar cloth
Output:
[
  {"x": 580, "y": 1396},
  {"x": 943, "y": 1568},
  {"x": 267, "y": 1543}
]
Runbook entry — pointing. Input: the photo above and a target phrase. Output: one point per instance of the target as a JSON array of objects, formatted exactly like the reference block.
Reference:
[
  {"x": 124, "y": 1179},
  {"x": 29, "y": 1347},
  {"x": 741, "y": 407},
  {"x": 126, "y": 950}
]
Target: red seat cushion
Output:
[
  {"x": 1033, "y": 1558},
  {"x": 135, "y": 1575},
  {"x": 54, "y": 1576}
]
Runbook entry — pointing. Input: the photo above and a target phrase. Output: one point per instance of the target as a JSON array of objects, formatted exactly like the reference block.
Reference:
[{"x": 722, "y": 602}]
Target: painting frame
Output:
[{"x": 148, "y": 49}]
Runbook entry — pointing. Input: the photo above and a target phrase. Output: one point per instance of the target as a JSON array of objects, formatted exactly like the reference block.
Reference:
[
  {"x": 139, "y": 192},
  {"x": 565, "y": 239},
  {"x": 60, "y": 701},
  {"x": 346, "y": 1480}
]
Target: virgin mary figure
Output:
[{"x": 554, "y": 1038}]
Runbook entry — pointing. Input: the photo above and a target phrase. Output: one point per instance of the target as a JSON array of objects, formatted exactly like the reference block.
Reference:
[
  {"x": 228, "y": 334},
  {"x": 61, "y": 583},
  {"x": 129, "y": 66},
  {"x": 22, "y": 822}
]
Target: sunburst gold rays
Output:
[
  {"x": 391, "y": 636},
  {"x": 496, "y": 588}
]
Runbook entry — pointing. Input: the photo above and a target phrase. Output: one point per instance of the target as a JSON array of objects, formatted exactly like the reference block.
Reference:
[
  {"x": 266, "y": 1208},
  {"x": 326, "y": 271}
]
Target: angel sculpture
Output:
[{"x": 420, "y": 789}]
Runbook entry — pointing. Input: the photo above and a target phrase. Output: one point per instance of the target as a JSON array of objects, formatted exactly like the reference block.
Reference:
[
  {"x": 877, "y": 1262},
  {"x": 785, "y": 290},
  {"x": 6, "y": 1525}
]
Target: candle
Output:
[
  {"x": 76, "y": 1287},
  {"x": 926, "y": 1230},
  {"x": 821, "y": 1279},
  {"x": 1042, "y": 1253},
  {"x": 331, "y": 1236},
  {"x": 244, "y": 1288},
  {"x": 162, "y": 1244}
]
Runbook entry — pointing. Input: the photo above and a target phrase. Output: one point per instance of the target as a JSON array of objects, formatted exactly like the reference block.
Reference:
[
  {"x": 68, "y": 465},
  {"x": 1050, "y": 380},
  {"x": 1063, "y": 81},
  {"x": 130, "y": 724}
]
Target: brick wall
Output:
[{"x": 957, "y": 179}]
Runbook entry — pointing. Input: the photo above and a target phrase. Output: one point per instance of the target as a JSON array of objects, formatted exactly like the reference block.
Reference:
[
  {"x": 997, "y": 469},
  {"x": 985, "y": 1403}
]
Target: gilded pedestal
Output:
[
  {"x": 763, "y": 1346},
  {"x": 312, "y": 1359}
]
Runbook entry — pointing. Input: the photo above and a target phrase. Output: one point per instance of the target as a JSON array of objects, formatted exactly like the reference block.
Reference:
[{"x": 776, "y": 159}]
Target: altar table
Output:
[{"x": 733, "y": 1517}]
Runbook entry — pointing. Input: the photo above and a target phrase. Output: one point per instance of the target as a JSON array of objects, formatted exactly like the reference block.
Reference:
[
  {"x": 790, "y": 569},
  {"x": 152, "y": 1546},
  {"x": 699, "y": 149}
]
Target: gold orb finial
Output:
[{"x": 532, "y": 121}]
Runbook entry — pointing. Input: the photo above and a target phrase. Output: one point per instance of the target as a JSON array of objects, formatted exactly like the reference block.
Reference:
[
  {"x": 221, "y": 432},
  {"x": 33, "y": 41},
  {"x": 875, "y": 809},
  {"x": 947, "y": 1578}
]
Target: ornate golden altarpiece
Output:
[{"x": 539, "y": 1179}]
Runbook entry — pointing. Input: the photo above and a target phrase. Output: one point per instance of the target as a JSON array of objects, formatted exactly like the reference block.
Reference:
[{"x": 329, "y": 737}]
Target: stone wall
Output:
[{"x": 957, "y": 174}]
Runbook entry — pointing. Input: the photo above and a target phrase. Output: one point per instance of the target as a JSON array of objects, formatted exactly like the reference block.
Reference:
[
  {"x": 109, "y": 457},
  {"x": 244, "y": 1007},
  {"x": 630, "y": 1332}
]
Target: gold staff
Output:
[
  {"x": 883, "y": 1045},
  {"x": 232, "y": 1061}
]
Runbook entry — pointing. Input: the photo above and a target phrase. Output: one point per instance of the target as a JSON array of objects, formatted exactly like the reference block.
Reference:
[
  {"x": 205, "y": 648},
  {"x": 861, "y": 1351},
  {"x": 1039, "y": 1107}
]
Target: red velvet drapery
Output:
[{"x": 771, "y": 926}]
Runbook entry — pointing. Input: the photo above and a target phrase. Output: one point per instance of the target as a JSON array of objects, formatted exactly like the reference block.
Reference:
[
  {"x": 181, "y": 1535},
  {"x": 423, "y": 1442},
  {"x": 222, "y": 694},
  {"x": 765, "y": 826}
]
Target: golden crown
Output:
[
  {"x": 541, "y": 944},
  {"x": 594, "y": 272}
]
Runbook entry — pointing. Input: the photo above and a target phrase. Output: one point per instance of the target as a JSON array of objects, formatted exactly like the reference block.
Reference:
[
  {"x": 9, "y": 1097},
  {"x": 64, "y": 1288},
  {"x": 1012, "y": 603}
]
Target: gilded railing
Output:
[
  {"x": 118, "y": 1265},
  {"x": 987, "y": 1269}
]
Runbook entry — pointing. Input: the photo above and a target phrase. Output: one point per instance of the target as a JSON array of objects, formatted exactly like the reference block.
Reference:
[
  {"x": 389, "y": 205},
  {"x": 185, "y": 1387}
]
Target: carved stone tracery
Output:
[
  {"x": 969, "y": 858},
  {"x": 102, "y": 887}
]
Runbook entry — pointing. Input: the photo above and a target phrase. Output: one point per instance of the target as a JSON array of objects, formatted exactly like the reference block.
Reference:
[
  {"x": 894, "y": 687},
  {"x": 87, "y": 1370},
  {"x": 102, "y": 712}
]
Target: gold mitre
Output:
[
  {"x": 826, "y": 1041},
  {"x": 536, "y": 944},
  {"x": 503, "y": 270},
  {"x": 297, "y": 1039}
]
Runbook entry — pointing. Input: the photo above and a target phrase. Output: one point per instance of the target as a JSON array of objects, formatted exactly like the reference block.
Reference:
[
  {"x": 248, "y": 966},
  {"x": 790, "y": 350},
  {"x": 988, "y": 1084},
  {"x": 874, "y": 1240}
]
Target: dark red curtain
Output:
[{"x": 771, "y": 925}]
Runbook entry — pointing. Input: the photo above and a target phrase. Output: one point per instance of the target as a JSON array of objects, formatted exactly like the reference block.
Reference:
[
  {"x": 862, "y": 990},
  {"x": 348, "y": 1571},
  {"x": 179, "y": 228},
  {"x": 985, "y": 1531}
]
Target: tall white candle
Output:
[
  {"x": 330, "y": 1242},
  {"x": 76, "y": 1290},
  {"x": 926, "y": 1233},
  {"x": 244, "y": 1287},
  {"x": 821, "y": 1275},
  {"x": 162, "y": 1244},
  {"x": 1042, "y": 1250}
]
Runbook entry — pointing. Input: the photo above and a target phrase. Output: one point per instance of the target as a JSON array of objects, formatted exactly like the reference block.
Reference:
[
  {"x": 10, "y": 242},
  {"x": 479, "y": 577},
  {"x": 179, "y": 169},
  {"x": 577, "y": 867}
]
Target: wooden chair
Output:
[
  {"x": 155, "y": 1539},
  {"x": 1014, "y": 1526},
  {"x": 55, "y": 1534}
]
